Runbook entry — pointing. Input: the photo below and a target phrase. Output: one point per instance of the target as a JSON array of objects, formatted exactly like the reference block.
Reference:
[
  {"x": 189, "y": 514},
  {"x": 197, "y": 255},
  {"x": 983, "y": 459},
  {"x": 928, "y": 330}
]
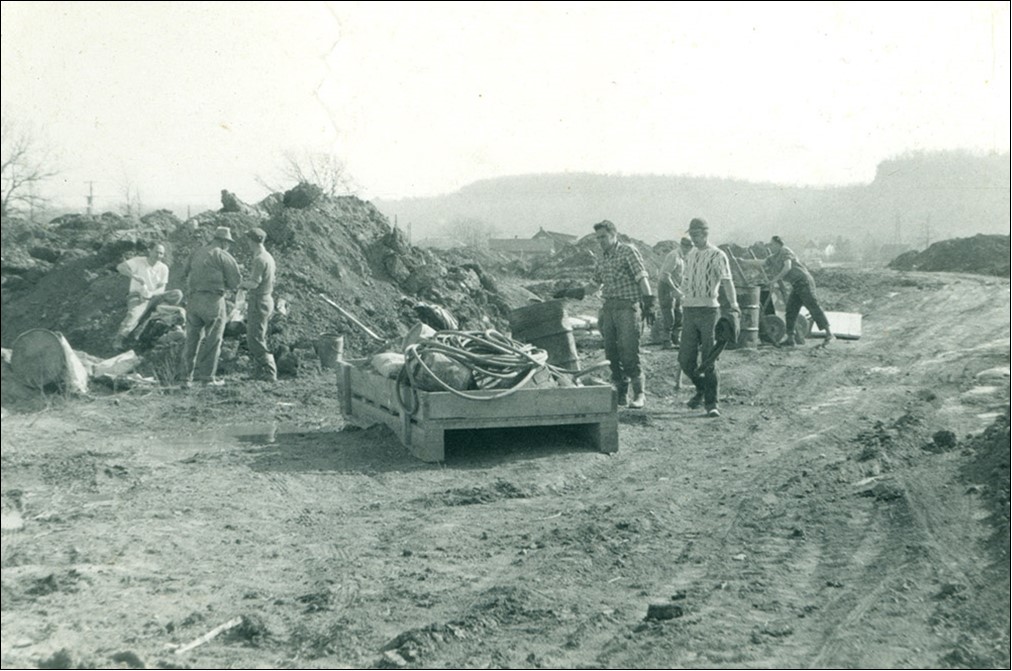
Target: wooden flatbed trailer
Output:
[{"x": 368, "y": 398}]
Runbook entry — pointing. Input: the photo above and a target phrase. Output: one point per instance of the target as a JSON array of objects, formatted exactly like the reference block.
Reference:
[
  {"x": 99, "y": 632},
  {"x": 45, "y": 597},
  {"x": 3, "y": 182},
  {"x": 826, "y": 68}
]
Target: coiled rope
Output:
[{"x": 494, "y": 360}]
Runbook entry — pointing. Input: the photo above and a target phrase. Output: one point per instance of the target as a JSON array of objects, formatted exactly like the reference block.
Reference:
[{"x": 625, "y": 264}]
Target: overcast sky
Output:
[{"x": 180, "y": 100}]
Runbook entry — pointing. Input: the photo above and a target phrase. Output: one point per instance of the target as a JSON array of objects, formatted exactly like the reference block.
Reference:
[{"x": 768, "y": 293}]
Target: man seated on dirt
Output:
[
  {"x": 707, "y": 272},
  {"x": 148, "y": 277},
  {"x": 784, "y": 264},
  {"x": 260, "y": 306},
  {"x": 210, "y": 271},
  {"x": 628, "y": 299},
  {"x": 670, "y": 279}
]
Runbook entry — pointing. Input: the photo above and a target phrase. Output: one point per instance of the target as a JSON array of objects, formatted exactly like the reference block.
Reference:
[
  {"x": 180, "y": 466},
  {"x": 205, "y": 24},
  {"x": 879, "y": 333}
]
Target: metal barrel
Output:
[
  {"x": 748, "y": 301},
  {"x": 544, "y": 325}
]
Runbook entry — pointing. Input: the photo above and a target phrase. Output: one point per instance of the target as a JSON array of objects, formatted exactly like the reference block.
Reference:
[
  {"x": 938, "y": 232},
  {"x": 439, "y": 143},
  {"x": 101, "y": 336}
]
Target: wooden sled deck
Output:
[{"x": 368, "y": 398}]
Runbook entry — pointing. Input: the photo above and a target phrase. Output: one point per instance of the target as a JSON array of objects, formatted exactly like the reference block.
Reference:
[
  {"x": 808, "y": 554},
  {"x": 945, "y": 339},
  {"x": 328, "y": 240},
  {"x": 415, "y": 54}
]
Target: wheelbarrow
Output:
[{"x": 773, "y": 327}]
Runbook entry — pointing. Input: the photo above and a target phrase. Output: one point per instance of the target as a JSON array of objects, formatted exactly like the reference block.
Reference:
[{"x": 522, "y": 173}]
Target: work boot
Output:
[
  {"x": 696, "y": 401},
  {"x": 713, "y": 412},
  {"x": 623, "y": 395},
  {"x": 639, "y": 400}
]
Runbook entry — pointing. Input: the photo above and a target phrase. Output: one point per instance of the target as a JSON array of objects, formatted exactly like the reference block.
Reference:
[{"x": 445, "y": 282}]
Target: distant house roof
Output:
[
  {"x": 563, "y": 238},
  {"x": 522, "y": 245}
]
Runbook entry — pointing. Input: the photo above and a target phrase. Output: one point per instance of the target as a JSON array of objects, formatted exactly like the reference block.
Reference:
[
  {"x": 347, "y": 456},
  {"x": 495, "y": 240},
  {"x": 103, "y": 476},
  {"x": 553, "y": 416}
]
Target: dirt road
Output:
[{"x": 826, "y": 520}]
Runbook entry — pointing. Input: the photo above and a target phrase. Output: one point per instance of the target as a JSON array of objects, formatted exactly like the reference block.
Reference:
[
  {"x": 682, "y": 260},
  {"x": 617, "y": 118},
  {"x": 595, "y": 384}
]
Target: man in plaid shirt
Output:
[{"x": 625, "y": 287}]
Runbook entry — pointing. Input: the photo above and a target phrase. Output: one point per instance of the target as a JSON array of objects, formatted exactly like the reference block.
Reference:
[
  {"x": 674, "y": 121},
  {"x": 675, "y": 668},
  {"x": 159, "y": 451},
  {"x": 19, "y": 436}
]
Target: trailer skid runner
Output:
[{"x": 368, "y": 398}]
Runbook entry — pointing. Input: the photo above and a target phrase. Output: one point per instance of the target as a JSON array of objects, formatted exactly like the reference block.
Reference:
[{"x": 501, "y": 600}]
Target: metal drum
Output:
[
  {"x": 544, "y": 325},
  {"x": 748, "y": 301}
]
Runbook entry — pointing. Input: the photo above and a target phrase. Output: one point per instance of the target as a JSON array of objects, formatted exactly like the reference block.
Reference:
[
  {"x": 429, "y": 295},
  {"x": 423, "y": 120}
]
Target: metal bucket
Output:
[
  {"x": 748, "y": 301},
  {"x": 330, "y": 349},
  {"x": 544, "y": 325}
]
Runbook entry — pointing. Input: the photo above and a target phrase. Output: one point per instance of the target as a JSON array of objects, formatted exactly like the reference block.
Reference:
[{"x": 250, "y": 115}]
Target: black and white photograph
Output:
[{"x": 505, "y": 335}]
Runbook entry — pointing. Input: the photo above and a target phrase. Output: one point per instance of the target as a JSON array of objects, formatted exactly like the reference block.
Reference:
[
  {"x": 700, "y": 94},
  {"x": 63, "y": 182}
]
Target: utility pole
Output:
[
  {"x": 927, "y": 232},
  {"x": 91, "y": 196}
]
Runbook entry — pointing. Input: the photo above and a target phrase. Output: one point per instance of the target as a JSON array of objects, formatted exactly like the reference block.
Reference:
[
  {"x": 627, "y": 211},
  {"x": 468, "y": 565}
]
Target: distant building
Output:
[
  {"x": 523, "y": 247},
  {"x": 559, "y": 240}
]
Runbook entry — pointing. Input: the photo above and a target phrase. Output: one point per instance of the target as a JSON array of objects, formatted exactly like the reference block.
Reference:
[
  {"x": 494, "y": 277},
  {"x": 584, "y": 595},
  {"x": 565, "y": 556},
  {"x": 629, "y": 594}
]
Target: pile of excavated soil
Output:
[
  {"x": 990, "y": 467},
  {"x": 981, "y": 255},
  {"x": 342, "y": 248}
]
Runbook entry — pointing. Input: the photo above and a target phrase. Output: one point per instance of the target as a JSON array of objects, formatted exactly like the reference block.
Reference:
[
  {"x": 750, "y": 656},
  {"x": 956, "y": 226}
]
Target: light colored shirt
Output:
[
  {"x": 798, "y": 272},
  {"x": 262, "y": 275},
  {"x": 704, "y": 269},
  {"x": 147, "y": 280},
  {"x": 620, "y": 270},
  {"x": 673, "y": 267}
]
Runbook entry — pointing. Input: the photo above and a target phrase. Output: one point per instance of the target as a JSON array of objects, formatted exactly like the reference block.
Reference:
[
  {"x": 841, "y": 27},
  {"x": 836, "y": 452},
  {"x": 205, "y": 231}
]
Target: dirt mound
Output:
[
  {"x": 990, "y": 468},
  {"x": 981, "y": 255},
  {"x": 63, "y": 276}
]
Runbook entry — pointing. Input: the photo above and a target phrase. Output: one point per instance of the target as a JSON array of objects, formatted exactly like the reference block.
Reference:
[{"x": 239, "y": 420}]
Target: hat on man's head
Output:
[
  {"x": 605, "y": 225},
  {"x": 685, "y": 242},
  {"x": 223, "y": 233},
  {"x": 257, "y": 235},
  {"x": 698, "y": 224}
]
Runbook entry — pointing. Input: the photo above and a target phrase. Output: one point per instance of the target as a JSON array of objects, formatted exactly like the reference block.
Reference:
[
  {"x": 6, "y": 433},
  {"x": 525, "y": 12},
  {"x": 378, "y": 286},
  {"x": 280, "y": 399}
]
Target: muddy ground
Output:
[{"x": 850, "y": 509}]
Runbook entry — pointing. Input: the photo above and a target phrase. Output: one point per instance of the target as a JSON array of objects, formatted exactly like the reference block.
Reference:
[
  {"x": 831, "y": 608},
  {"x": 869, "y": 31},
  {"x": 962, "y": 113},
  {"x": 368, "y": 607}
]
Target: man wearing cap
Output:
[
  {"x": 672, "y": 269},
  {"x": 625, "y": 287},
  {"x": 784, "y": 264},
  {"x": 260, "y": 306},
  {"x": 211, "y": 271},
  {"x": 148, "y": 277},
  {"x": 707, "y": 271}
]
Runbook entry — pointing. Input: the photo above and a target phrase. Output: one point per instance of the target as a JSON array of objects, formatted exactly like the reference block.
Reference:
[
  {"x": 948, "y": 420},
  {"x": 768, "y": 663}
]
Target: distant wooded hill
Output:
[{"x": 914, "y": 200}]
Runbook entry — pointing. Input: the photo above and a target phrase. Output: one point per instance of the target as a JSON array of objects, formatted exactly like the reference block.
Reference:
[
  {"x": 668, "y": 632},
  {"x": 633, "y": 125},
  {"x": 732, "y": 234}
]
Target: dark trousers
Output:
[
  {"x": 619, "y": 323},
  {"x": 803, "y": 293},
  {"x": 205, "y": 326},
  {"x": 698, "y": 342},
  {"x": 671, "y": 313}
]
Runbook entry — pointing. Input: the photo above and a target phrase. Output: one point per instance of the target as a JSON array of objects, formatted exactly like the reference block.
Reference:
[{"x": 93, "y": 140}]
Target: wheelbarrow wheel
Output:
[{"x": 772, "y": 329}]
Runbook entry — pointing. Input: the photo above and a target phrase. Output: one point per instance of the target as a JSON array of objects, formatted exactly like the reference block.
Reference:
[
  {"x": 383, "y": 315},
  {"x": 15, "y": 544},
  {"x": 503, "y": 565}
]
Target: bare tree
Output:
[
  {"x": 471, "y": 231},
  {"x": 323, "y": 169},
  {"x": 27, "y": 162},
  {"x": 131, "y": 205}
]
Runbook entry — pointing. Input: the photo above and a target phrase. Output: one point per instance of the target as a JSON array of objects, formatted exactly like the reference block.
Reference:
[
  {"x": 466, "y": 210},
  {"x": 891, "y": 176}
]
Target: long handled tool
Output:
[{"x": 354, "y": 320}]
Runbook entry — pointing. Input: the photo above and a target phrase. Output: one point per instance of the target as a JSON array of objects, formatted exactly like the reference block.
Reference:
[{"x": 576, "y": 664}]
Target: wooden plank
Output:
[
  {"x": 514, "y": 422},
  {"x": 427, "y": 443},
  {"x": 523, "y": 403},
  {"x": 845, "y": 325},
  {"x": 344, "y": 388},
  {"x": 604, "y": 435}
]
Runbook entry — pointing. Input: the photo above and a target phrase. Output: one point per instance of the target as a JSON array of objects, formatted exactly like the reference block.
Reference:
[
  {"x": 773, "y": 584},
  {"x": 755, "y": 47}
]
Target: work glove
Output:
[
  {"x": 648, "y": 309},
  {"x": 728, "y": 326},
  {"x": 576, "y": 293}
]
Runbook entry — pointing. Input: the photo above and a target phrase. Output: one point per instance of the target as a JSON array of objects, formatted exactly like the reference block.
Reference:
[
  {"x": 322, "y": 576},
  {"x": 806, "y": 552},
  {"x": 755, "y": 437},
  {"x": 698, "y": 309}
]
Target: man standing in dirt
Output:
[
  {"x": 260, "y": 306},
  {"x": 707, "y": 271},
  {"x": 672, "y": 269},
  {"x": 786, "y": 266},
  {"x": 625, "y": 287},
  {"x": 148, "y": 277},
  {"x": 211, "y": 271}
]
